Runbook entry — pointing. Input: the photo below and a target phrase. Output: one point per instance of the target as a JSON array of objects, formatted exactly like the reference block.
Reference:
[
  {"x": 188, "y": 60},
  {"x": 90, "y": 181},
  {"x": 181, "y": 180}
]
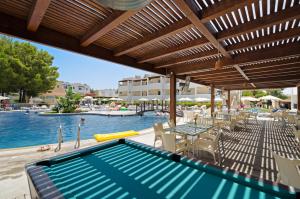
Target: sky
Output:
[{"x": 97, "y": 73}]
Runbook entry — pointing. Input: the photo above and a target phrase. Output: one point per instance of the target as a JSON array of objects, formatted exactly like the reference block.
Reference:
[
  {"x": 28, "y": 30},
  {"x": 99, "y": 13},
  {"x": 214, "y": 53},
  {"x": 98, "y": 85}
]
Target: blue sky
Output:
[{"x": 97, "y": 73}]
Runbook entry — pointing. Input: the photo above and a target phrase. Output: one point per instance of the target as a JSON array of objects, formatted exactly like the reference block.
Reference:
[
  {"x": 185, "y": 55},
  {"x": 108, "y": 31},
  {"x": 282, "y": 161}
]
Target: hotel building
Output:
[{"x": 157, "y": 87}]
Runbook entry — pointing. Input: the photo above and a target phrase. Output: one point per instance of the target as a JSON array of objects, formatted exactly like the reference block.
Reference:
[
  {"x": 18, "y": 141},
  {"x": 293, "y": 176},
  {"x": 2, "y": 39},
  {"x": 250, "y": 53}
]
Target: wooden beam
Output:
[
  {"x": 228, "y": 101},
  {"x": 262, "y": 80},
  {"x": 177, "y": 49},
  {"x": 266, "y": 21},
  {"x": 193, "y": 57},
  {"x": 37, "y": 13},
  {"x": 295, "y": 32},
  {"x": 158, "y": 35},
  {"x": 221, "y": 8},
  {"x": 114, "y": 20},
  {"x": 212, "y": 99},
  {"x": 173, "y": 97},
  {"x": 185, "y": 8},
  {"x": 256, "y": 71},
  {"x": 180, "y": 69},
  {"x": 238, "y": 46},
  {"x": 291, "y": 49},
  {"x": 229, "y": 71},
  {"x": 298, "y": 99},
  {"x": 16, "y": 27}
]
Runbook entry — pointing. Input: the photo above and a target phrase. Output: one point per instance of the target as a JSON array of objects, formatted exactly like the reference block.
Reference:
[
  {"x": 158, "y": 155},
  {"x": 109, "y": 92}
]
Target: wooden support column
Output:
[
  {"x": 228, "y": 101},
  {"x": 173, "y": 97},
  {"x": 212, "y": 99},
  {"x": 298, "y": 102}
]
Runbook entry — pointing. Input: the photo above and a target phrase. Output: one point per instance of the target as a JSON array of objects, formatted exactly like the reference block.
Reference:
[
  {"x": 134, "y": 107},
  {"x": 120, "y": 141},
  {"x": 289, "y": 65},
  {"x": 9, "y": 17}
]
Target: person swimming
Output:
[{"x": 82, "y": 120}]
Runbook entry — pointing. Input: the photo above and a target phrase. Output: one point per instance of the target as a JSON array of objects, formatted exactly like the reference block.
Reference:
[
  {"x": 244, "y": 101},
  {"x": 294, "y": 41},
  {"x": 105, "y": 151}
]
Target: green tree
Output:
[
  {"x": 25, "y": 69},
  {"x": 277, "y": 93},
  {"x": 69, "y": 103}
]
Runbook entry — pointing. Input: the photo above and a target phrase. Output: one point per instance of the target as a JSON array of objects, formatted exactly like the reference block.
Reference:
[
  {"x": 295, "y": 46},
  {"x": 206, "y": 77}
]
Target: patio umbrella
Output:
[
  {"x": 270, "y": 97},
  {"x": 218, "y": 99},
  {"x": 4, "y": 98},
  {"x": 88, "y": 98},
  {"x": 115, "y": 99},
  {"x": 143, "y": 99},
  {"x": 155, "y": 99},
  {"x": 201, "y": 99},
  {"x": 248, "y": 98},
  {"x": 104, "y": 100},
  {"x": 185, "y": 99}
]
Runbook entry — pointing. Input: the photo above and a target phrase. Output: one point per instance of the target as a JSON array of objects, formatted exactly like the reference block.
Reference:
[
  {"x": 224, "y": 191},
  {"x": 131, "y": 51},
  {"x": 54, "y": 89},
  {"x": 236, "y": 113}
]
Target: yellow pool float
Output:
[{"x": 111, "y": 136}]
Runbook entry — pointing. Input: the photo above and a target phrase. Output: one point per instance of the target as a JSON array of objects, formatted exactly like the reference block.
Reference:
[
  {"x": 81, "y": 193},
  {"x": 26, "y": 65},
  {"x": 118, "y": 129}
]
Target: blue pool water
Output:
[{"x": 19, "y": 130}]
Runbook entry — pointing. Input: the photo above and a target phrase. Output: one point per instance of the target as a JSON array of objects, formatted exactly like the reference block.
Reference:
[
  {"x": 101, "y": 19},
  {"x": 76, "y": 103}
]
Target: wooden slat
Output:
[
  {"x": 172, "y": 29},
  {"x": 110, "y": 23},
  {"x": 220, "y": 8},
  {"x": 16, "y": 27},
  {"x": 249, "y": 57},
  {"x": 262, "y": 80},
  {"x": 238, "y": 46},
  {"x": 266, "y": 21},
  {"x": 196, "y": 21},
  {"x": 265, "y": 39},
  {"x": 37, "y": 13},
  {"x": 180, "y": 60},
  {"x": 256, "y": 67},
  {"x": 169, "y": 51}
]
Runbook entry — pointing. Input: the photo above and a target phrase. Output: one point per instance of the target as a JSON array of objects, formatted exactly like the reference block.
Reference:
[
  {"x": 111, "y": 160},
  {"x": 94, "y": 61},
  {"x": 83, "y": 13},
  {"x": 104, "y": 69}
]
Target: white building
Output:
[
  {"x": 107, "y": 93},
  {"x": 77, "y": 87},
  {"x": 156, "y": 86}
]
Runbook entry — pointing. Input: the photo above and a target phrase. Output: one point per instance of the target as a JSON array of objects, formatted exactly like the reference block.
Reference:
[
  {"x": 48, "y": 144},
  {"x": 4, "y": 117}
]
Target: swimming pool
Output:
[{"x": 20, "y": 130}]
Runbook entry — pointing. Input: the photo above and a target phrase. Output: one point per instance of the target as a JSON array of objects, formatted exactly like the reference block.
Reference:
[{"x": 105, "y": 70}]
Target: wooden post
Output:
[
  {"x": 212, "y": 99},
  {"x": 228, "y": 101},
  {"x": 173, "y": 97},
  {"x": 298, "y": 102}
]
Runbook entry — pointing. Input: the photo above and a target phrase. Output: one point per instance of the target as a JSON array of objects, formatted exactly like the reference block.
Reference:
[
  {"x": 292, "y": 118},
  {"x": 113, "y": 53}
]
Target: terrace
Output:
[{"x": 228, "y": 45}]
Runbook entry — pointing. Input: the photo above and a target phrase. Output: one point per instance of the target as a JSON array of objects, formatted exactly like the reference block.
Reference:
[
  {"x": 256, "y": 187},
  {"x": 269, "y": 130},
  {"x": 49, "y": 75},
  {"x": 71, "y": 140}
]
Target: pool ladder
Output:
[
  {"x": 77, "y": 143},
  {"x": 60, "y": 139}
]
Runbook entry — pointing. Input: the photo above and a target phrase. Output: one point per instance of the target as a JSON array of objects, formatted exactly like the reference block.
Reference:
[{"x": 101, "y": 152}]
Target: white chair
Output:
[
  {"x": 170, "y": 144},
  {"x": 209, "y": 143},
  {"x": 158, "y": 131},
  {"x": 288, "y": 173}
]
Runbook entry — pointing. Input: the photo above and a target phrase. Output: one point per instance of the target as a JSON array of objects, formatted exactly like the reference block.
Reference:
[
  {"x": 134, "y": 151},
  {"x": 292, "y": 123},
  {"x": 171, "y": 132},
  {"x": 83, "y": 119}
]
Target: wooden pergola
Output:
[{"x": 256, "y": 42}]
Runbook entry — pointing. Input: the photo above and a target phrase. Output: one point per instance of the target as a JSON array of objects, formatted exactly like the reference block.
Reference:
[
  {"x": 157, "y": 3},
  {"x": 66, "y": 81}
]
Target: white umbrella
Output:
[
  {"x": 115, "y": 99},
  {"x": 185, "y": 99},
  {"x": 248, "y": 98},
  {"x": 201, "y": 99},
  {"x": 218, "y": 99},
  {"x": 154, "y": 99},
  {"x": 104, "y": 100},
  {"x": 143, "y": 99},
  {"x": 88, "y": 98},
  {"x": 4, "y": 98},
  {"x": 269, "y": 97}
]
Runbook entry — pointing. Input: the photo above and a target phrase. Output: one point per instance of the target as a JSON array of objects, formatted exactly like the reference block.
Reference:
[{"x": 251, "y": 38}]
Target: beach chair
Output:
[{"x": 288, "y": 173}]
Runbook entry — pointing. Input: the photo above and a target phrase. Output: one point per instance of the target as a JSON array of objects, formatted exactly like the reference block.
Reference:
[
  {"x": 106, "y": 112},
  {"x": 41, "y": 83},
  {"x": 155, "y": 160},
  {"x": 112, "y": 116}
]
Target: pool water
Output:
[{"x": 19, "y": 130}]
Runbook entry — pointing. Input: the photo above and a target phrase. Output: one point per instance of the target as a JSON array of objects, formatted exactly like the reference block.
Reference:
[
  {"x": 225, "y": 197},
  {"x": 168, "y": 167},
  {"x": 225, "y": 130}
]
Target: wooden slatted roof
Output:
[{"x": 255, "y": 41}]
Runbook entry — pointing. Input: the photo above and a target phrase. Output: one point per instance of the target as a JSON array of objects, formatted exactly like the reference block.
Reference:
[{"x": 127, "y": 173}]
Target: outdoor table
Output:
[{"x": 190, "y": 129}]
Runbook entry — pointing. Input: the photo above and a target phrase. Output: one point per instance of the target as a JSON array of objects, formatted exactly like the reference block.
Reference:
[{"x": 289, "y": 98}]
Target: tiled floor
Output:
[{"x": 249, "y": 150}]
